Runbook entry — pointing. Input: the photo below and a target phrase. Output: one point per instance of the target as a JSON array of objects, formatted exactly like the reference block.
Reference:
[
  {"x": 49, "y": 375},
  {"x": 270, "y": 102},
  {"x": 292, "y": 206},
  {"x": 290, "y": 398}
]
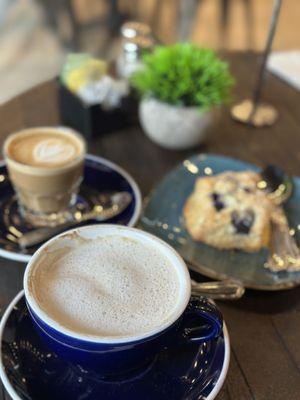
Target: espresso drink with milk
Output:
[
  {"x": 107, "y": 287},
  {"x": 45, "y": 166},
  {"x": 50, "y": 149}
]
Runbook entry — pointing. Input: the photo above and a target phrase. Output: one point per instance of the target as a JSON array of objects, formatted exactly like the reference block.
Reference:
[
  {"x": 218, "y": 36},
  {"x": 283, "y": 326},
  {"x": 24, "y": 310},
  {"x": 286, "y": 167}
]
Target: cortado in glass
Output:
[{"x": 45, "y": 165}]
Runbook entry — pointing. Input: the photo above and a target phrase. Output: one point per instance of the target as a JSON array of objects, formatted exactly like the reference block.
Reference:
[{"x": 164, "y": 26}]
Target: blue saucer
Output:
[
  {"x": 162, "y": 217},
  {"x": 30, "y": 371},
  {"x": 99, "y": 175}
]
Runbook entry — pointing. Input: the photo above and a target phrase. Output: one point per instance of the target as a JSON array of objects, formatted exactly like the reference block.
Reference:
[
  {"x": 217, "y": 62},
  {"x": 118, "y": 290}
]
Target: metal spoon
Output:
[
  {"x": 218, "y": 290},
  {"x": 112, "y": 204},
  {"x": 278, "y": 184},
  {"x": 284, "y": 253},
  {"x": 227, "y": 289}
]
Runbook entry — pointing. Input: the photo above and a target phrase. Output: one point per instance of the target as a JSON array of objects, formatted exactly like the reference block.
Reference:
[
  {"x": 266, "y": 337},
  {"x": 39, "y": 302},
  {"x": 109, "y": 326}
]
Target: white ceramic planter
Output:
[{"x": 173, "y": 127}]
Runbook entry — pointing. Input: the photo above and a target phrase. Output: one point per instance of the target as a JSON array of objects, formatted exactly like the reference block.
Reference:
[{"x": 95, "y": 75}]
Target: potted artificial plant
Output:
[{"x": 179, "y": 86}]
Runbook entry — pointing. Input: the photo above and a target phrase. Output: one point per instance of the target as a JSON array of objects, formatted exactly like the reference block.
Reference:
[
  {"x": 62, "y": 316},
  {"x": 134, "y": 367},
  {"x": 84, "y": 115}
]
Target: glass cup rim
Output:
[
  {"x": 184, "y": 281},
  {"x": 43, "y": 129}
]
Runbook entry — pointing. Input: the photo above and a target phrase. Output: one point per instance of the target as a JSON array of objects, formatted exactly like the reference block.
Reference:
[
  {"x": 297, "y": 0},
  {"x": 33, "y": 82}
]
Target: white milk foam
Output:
[
  {"x": 108, "y": 287},
  {"x": 53, "y": 150}
]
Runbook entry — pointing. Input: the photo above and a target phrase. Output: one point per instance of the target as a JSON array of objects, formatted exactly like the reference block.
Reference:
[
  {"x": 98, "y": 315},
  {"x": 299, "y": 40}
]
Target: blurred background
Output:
[{"x": 35, "y": 35}]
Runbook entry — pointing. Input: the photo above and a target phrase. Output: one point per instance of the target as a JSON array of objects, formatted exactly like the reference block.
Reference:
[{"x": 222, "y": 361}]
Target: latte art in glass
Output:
[
  {"x": 47, "y": 148},
  {"x": 53, "y": 151},
  {"x": 45, "y": 165}
]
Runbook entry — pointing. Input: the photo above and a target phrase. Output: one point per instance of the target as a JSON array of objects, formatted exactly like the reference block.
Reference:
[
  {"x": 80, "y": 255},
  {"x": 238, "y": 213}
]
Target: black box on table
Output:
[{"x": 92, "y": 120}]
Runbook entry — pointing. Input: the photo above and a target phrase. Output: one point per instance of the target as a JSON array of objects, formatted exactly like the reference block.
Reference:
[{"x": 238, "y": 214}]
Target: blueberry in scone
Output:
[
  {"x": 242, "y": 221},
  {"x": 228, "y": 211},
  {"x": 218, "y": 203}
]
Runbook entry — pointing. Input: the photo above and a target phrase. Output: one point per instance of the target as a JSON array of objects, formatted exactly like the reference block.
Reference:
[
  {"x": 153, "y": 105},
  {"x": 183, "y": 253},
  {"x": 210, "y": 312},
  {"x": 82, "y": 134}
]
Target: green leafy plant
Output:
[{"x": 185, "y": 75}]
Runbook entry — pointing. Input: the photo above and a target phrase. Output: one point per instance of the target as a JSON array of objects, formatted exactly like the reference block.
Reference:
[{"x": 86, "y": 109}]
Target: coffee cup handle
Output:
[{"x": 202, "y": 321}]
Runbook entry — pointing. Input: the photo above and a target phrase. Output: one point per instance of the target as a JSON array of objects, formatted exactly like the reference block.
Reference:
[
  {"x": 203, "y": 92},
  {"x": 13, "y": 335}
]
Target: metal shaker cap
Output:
[
  {"x": 132, "y": 29},
  {"x": 138, "y": 44}
]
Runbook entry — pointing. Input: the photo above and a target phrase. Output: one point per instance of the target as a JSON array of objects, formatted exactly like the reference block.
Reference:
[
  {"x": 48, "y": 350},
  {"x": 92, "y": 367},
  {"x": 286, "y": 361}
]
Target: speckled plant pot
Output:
[{"x": 173, "y": 127}]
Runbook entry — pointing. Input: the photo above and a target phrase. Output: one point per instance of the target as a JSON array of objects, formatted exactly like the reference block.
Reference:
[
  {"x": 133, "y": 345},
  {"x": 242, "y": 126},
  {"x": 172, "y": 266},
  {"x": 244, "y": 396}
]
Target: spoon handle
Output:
[
  {"x": 39, "y": 235},
  {"x": 218, "y": 290},
  {"x": 118, "y": 202},
  {"x": 284, "y": 252}
]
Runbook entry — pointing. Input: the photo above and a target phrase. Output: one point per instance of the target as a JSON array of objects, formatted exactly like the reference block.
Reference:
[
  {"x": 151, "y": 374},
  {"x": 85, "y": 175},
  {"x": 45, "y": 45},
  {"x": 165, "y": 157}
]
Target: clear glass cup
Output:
[{"x": 45, "y": 193}]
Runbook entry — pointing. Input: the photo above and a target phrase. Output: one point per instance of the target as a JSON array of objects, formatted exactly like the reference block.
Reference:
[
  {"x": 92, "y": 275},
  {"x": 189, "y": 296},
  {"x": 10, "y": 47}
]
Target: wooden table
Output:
[{"x": 264, "y": 326}]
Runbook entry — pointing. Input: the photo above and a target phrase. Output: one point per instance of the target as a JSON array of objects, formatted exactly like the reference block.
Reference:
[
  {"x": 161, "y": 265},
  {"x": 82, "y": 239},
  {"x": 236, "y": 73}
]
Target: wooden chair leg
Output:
[
  {"x": 75, "y": 26},
  {"x": 249, "y": 23},
  {"x": 51, "y": 13},
  {"x": 224, "y": 14},
  {"x": 186, "y": 12},
  {"x": 115, "y": 17},
  {"x": 224, "y": 17},
  {"x": 155, "y": 15}
]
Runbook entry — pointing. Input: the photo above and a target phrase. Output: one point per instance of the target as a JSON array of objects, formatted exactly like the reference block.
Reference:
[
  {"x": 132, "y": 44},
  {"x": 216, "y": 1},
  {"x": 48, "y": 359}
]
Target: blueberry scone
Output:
[{"x": 228, "y": 211}]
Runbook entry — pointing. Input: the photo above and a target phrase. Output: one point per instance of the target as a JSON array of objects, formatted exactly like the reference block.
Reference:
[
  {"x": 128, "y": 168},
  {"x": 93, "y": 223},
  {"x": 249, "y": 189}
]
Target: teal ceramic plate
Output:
[{"x": 162, "y": 216}]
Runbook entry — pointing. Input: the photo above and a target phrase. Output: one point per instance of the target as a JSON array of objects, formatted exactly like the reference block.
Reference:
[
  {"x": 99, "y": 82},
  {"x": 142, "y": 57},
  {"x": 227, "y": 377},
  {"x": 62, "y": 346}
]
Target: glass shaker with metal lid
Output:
[{"x": 136, "y": 40}]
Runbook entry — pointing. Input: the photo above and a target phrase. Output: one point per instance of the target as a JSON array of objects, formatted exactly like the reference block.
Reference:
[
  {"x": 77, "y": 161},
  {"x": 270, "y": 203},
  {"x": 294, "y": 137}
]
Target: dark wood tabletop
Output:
[{"x": 264, "y": 327}]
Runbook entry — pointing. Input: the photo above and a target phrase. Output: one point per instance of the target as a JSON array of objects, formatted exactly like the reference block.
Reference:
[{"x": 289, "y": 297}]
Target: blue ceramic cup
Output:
[{"x": 191, "y": 320}]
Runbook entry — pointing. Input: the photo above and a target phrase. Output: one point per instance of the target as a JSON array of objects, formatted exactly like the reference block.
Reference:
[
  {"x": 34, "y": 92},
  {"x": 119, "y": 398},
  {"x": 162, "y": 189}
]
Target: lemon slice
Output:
[{"x": 89, "y": 71}]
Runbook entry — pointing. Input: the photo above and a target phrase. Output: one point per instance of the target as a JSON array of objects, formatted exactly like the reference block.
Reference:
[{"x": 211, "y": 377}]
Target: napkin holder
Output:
[{"x": 92, "y": 120}]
